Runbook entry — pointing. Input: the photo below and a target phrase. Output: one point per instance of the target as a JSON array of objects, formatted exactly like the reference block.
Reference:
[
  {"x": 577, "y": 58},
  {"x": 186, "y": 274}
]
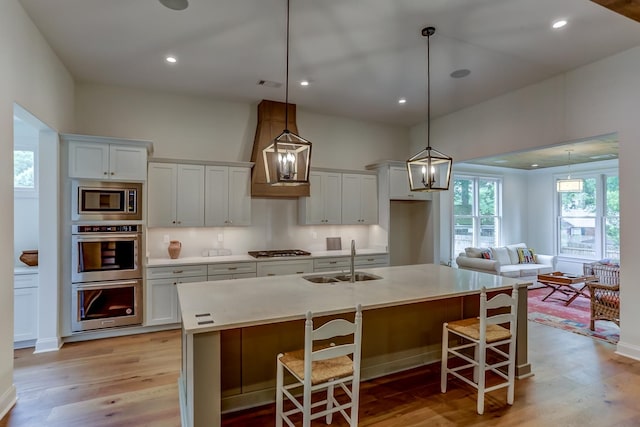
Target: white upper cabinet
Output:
[
  {"x": 324, "y": 204},
  {"x": 175, "y": 195},
  {"x": 104, "y": 161},
  {"x": 399, "y": 188},
  {"x": 228, "y": 196},
  {"x": 359, "y": 199}
]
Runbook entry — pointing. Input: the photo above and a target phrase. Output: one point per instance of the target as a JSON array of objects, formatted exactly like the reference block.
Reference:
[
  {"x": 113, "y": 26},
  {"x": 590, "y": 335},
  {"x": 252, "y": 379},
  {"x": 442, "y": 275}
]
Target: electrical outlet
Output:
[{"x": 165, "y": 238}]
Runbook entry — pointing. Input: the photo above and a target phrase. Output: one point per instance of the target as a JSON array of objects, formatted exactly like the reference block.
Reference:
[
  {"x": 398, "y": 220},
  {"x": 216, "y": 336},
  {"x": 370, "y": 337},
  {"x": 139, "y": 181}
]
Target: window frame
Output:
[
  {"x": 475, "y": 216},
  {"x": 27, "y": 192},
  {"x": 600, "y": 216}
]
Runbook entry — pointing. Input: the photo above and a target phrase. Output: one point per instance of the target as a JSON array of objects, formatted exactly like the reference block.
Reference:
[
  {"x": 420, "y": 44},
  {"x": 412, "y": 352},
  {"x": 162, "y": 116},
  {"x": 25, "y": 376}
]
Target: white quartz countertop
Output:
[
  {"x": 157, "y": 262},
  {"x": 230, "y": 304}
]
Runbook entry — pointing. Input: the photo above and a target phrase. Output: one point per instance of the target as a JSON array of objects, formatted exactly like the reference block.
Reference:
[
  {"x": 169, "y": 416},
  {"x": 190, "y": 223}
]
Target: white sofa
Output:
[{"x": 505, "y": 262}]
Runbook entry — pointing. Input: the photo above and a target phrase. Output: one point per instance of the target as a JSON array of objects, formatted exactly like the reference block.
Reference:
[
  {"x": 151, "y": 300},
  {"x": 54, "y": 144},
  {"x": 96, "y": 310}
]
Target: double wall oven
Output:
[{"x": 106, "y": 257}]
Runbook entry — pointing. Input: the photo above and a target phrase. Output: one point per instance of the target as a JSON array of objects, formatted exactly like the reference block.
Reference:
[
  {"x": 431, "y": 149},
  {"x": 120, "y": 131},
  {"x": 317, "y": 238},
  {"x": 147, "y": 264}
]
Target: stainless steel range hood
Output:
[{"x": 271, "y": 122}]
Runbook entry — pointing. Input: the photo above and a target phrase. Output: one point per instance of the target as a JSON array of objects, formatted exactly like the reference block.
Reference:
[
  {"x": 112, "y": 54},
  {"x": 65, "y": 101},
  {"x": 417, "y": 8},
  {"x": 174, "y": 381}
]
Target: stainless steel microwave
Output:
[{"x": 102, "y": 201}]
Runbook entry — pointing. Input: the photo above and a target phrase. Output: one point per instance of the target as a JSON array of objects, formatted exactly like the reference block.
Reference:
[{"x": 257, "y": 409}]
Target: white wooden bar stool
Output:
[
  {"x": 486, "y": 336},
  {"x": 322, "y": 365}
]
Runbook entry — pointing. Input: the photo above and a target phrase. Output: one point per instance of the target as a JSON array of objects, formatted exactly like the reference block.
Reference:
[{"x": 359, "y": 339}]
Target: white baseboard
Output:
[
  {"x": 628, "y": 350},
  {"x": 48, "y": 344},
  {"x": 7, "y": 400}
]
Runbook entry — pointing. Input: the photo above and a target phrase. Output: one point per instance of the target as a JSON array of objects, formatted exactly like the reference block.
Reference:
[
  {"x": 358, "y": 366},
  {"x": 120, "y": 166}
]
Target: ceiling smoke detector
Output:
[
  {"x": 269, "y": 83},
  {"x": 175, "y": 4}
]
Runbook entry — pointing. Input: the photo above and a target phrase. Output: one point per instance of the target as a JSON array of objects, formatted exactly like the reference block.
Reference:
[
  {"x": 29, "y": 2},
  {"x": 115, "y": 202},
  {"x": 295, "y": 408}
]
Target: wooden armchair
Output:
[{"x": 605, "y": 293}]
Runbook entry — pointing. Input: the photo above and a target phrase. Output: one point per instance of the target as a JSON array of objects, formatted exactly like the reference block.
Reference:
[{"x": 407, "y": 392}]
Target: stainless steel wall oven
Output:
[{"x": 106, "y": 275}]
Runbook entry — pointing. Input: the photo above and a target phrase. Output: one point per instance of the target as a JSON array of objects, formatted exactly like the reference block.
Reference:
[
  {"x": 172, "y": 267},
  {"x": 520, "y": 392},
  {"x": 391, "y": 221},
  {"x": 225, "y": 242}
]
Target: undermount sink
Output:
[{"x": 340, "y": 277}]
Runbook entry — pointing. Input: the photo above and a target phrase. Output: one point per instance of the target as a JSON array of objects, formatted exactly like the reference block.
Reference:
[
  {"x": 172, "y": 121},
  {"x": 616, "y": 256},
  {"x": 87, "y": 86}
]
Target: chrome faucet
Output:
[{"x": 353, "y": 258}]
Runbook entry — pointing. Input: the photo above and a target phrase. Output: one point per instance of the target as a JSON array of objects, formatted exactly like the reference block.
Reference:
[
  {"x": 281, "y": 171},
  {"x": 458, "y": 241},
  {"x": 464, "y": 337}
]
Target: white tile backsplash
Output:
[{"x": 274, "y": 226}]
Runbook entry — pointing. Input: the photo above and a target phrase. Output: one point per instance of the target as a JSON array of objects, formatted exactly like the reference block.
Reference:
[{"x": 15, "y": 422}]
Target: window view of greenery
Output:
[
  {"x": 476, "y": 212},
  {"x": 24, "y": 169},
  {"x": 589, "y": 221}
]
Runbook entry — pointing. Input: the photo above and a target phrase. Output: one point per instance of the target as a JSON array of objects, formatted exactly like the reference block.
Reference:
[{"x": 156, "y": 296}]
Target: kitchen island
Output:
[{"x": 232, "y": 330}]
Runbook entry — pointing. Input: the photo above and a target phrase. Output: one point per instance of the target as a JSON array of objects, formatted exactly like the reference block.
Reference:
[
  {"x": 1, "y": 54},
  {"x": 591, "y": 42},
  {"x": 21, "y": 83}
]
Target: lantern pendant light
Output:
[
  {"x": 429, "y": 170},
  {"x": 288, "y": 158},
  {"x": 569, "y": 185}
]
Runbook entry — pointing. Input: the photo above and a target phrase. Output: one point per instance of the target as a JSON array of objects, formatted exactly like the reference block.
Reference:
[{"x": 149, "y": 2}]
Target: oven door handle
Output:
[
  {"x": 101, "y": 238},
  {"x": 106, "y": 285}
]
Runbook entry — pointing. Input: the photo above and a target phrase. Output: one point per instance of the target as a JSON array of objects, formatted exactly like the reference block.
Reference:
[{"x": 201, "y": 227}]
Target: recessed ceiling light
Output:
[
  {"x": 535, "y": 165},
  {"x": 175, "y": 4},
  {"x": 559, "y": 24},
  {"x": 500, "y": 161},
  {"x": 304, "y": 83},
  {"x": 462, "y": 72},
  {"x": 402, "y": 101},
  {"x": 171, "y": 59}
]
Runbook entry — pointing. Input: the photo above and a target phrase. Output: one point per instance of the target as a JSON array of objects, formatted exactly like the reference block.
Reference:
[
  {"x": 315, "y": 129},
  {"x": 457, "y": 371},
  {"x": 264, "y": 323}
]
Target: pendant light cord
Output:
[
  {"x": 428, "y": 93},
  {"x": 286, "y": 90}
]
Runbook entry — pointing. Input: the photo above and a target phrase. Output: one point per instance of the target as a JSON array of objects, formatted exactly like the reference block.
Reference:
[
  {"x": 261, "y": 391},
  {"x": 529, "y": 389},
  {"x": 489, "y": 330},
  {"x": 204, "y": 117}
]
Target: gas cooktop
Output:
[{"x": 278, "y": 253}]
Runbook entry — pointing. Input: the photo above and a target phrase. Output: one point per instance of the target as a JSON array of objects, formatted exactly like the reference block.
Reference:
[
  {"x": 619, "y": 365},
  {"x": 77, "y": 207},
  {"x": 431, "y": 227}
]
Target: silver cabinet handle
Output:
[
  {"x": 178, "y": 271},
  {"x": 333, "y": 262},
  {"x": 270, "y": 274},
  {"x": 232, "y": 268}
]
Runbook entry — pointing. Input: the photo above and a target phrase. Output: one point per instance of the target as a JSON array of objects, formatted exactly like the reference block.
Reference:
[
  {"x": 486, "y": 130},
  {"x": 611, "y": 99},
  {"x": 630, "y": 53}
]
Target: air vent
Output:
[{"x": 269, "y": 83}]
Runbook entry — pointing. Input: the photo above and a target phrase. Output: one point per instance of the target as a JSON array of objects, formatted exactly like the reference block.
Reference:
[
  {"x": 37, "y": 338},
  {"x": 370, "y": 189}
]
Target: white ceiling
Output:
[{"x": 360, "y": 55}]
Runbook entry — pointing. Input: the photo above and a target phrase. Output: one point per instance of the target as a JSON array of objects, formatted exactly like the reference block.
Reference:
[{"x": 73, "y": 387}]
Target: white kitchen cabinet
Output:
[
  {"x": 359, "y": 199},
  {"x": 103, "y": 161},
  {"x": 284, "y": 267},
  {"x": 228, "y": 196},
  {"x": 343, "y": 263},
  {"x": 231, "y": 270},
  {"x": 399, "y": 188},
  {"x": 175, "y": 195},
  {"x": 324, "y": 204},
  {"x": 161, "y": 295},
  {"x": 25, "y": 307}
]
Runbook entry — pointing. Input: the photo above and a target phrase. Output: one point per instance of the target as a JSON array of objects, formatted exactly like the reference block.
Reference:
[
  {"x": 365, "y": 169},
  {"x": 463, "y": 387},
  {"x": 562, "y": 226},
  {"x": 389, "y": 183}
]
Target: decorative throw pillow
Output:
[
  {"x": 501, "y": 255},
  {"x": 526, "y": 256},
  {"x": 473, "y": 252},
  {"x": 486, "y": 254}
]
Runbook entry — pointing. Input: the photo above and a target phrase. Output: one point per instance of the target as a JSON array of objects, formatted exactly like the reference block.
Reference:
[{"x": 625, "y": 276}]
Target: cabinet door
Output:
[
  {"x": 311, "y": 209},
  {"x": 161, "y": 195},
  {"x": 25, "y": 314},
  {"x": 190, "y": 192},
  {"x": 368, "y": 199},
  {"x": 351, "y": 199},
  {"x": 279, "y": 268},
  {"x": 162, "y": 301},
  {"x": 127, "y": 163},
  {"x": 217, "y": 196},
  {"x": 239, "y": 196},
  {"x": 88, "y": 160},
  {"x": 399, "y": 186},
  {"x": 332, "y": 196}
]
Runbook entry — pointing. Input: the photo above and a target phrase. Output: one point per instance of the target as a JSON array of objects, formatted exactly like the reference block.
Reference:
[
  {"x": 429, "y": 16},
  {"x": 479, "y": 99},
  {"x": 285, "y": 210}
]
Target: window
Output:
[
  {"x": 25, "y": 178},
  {"x": 476, "y": 212},
  {"x": 589, "y": 222}
]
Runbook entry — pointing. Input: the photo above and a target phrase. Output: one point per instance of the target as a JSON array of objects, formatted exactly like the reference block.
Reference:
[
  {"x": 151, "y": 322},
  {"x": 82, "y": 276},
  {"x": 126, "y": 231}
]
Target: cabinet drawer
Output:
[
  {"x": 279, "y": 268},
  {"x": 372, "y": 260},
  {"x": 216, "y": 277},
  {"x": 177, "y": 271},
  {"x": 25, "y": 281},
  {"x": 334, "y": 263},
  {"x": 231, "y": 268}
]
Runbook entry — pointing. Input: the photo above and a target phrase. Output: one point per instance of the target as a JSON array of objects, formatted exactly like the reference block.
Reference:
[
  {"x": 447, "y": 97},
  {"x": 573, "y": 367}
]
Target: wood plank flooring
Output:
[{"x": 132, "y": 381}]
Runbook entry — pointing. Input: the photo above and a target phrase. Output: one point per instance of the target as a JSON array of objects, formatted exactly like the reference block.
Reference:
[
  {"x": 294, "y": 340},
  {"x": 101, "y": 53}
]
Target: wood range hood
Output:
[{"x": 271, "y": 123}]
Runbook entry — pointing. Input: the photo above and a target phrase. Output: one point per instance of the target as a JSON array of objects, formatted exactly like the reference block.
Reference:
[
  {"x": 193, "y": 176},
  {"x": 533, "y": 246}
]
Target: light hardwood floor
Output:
[{"x": 131, "y": 381}]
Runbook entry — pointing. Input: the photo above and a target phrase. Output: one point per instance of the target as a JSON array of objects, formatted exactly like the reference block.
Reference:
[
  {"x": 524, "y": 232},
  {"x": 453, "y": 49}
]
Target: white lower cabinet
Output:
[
  {"x": 161, "y": 294},
  {"x": 25, "y": 307},
  {"x": 281, "y": 268},
  {"x": 232, "y": 270}
]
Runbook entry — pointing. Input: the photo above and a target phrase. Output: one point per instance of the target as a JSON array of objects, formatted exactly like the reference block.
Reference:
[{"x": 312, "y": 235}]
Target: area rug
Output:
[{"x": 573, "y": 318}]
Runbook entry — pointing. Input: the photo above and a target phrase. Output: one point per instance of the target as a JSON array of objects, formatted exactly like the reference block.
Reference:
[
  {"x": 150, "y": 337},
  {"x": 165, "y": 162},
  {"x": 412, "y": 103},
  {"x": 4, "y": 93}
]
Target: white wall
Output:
[
  {"x": 596, "y": 99},
  {"x": 197, "y": 128},
  {"x": 32, "y": 76}
]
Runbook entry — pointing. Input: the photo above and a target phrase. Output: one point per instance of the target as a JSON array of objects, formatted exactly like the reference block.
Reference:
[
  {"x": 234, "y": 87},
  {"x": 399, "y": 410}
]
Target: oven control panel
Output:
[{"x": 105, "y": 229}]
